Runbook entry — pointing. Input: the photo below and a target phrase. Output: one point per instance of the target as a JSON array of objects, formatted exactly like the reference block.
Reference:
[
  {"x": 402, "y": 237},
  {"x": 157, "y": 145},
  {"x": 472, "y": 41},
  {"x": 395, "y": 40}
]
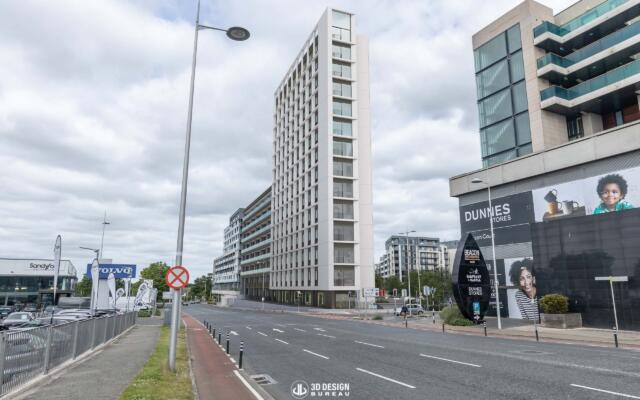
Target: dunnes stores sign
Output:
[
  {"x": 118, "y": 270},
  {"x": 506, "y": 211}
]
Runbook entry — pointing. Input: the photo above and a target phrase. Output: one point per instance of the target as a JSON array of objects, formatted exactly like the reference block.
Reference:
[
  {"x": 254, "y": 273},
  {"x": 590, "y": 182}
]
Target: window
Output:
[
  {"x": 343, "y": 276},
  {"x": 343, "y": 254},
  {"x": 490, "y": 52},
  {"x": 343, "y": 189},
  {"x": 343, "y": 231},
  {"x": 497, "y": 138},
  {"x": 341, "y": 69},
  {"x": 342, "y": 107},
  {"x": 495, "y": 108},
  {"x": 519, "y": 96},
  {"x": 342, "y": 89},
  {"x": 522, "y": 129},
  {"x": 516, "y": 66},
  {"x": 499, "y": 158},
  {"x": 575, "y": 129},
  {"x": 342, "y": 127},
  {"x": 341, "y": 51},
  {"x": 341, "y": 26},
  {"x": 342, "y": 209},
  {"x": 492, "y": 79},
  {"x": 342, "y": 148},
  {"x": 343, "y": 168},
  {"x": 513, "y": 38}
]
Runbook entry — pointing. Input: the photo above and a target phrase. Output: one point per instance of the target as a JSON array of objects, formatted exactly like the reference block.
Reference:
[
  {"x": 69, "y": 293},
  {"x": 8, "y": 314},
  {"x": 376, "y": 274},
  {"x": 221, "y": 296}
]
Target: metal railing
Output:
[{"x": 26, "y": 354}]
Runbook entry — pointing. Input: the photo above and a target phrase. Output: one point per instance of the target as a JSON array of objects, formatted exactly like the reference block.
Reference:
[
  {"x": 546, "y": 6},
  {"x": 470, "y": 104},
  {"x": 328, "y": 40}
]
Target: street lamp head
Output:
[
  {"x": 477, "y": 180},
  {"x": 238, "y": 33}
]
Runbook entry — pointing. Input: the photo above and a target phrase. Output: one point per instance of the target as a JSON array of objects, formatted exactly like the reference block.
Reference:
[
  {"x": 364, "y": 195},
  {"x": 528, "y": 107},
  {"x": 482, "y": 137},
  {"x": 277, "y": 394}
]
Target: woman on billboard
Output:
[
  {"x": 522, "y": 275},
  {"x": 612, "y": 190}
]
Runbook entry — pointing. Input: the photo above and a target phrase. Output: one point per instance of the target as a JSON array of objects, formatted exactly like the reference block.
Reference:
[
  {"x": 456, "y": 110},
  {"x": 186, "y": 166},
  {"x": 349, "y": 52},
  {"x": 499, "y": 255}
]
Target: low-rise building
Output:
[{"x": 25, "y": 281}]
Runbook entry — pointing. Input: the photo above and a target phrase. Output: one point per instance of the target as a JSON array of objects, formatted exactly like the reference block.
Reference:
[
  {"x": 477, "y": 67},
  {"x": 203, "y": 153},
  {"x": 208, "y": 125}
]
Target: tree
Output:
[
  {"x": 198, "y": 289},
  {"x": 83, "y": 288},
  {"x": 393, "y": 282},
  {"x": 379, "y": 281}
]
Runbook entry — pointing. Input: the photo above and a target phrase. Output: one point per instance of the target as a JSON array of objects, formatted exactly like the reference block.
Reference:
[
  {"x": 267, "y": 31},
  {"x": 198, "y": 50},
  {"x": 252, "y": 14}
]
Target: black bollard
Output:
[
  {"x": 240, "y": 358},
  {"x": 213, "y": 333},
  {"x": 227, "y": 342},
  {"x": 484, "y": 325},
  {"x": 537, "y": 336},
  {"x": 443, "y": 327},
  {"x": 219, "y": 337},
  {"x": 615, "y": 336}
]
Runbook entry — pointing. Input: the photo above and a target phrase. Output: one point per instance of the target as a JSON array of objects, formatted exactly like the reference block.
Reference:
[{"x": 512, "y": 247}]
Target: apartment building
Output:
[
  {"x": 321, "y": 194},
  {"x": 412, "y": 253},
  {"x": 226, "y": 268},
  {"x": 255, "y": 248},
  {"x": 560, "y": 136}
]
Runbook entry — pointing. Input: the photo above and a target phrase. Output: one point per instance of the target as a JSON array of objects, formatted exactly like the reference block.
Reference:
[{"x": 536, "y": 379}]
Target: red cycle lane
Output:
[{"x": 212, "y": 368}]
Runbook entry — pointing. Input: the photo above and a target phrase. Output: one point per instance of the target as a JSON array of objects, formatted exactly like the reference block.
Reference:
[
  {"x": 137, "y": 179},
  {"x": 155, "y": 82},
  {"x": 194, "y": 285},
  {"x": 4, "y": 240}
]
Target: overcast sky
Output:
[{"x": 93, "y": 108}]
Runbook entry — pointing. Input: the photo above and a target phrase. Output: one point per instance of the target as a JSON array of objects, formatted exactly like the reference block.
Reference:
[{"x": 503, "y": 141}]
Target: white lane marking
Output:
[
  {"x": 316, "y": 354},
  {"x": 299, "y": 330},
  {"x": 251, "y": 389},
  {"x": 282, "y": 341},
  {"x": 278, "y": 330},
  {"x": 386, "y": 378},
  {"x": 248, "y": 327},
  {"x": 234, "y": 333},
  {"x": 232, "y": 360},
  {"x": 369, "y": 344},
  {"x": 282, "y": 325},
  {"x": 629, "y": 396},
  {"x": 329, "y": 336},
  {"x": 319, "y": 329},
  {"x": 263, "y": 334},
  {"x": 453, "y": 361}
]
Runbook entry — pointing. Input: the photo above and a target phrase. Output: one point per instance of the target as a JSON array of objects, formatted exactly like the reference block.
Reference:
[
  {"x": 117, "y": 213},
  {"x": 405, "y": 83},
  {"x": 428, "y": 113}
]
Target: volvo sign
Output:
[{"x": 118, "y": 270}]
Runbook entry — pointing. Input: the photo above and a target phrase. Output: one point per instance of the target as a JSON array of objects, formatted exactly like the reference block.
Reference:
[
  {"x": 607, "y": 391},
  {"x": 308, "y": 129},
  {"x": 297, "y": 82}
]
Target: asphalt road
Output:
[{"x": 379, "y": 362}]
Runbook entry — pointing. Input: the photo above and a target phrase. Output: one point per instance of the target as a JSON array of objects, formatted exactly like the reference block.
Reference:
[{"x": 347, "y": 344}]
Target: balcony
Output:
[
  {"x": 255, "y": 222},
  {"x": 622, "y": 79},
  {"x": 256, "y": 233},
  {"x": 256, "y": 246},
  {"x": 599, "y": 21},
  {"x": 258, "y": 207},
  {"x": 261, "y": 257},
  {"x": 590, "y": 60}
]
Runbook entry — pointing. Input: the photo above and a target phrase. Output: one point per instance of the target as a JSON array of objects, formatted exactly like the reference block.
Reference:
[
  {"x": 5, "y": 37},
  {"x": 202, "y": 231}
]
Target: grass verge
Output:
[{"x": 155, "y": 380}]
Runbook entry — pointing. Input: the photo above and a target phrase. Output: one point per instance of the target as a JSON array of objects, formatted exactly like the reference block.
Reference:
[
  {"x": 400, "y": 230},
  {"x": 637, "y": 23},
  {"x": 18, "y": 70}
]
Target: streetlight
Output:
[
  {"x": 104, "y": 225},
  {"x": 407, "y": 262},
  {"x": 234, "y": 33},
  {"x": 493, "y": 250}
]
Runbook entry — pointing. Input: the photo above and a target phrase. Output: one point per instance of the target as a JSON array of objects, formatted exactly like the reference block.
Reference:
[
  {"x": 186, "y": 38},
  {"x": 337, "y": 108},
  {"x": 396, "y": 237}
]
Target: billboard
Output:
[
  {"x": 119, "y": 270},
  {"x": 35, "y": 267},
  {"x": 600, "y": 194},
  {"x": 471, "y": 282}
]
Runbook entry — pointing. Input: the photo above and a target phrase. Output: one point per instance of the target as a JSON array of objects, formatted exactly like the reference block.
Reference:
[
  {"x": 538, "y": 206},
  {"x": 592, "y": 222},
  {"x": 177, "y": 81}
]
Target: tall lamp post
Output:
[
  {"x": 104, "y": 225},
  {"x": 407, "y": 262},
  {"x": 233, "y": 33},
  {"x": 95, "y": 279},
  {"x": 493, "y": 250}
]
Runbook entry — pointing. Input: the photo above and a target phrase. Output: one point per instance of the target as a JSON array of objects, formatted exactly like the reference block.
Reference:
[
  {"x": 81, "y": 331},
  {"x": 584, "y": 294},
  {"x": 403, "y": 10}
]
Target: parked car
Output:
[
  {"x": 30, "y": 307},
  {"x": 16, "y": 318},
  {"x": 5, "y": 311},
  {"x": 411, "y": 309}
]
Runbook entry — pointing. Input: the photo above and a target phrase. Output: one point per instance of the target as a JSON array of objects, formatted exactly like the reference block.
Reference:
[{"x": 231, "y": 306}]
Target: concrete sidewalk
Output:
[
  {"x": 215, "y": 373},
  {"x": 105, "y": 374}
]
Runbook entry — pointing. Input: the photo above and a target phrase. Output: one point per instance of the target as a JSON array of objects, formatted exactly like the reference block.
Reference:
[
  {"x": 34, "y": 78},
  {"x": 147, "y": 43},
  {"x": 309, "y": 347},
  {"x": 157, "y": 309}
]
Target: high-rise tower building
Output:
[{"x": 321, "y": 195}]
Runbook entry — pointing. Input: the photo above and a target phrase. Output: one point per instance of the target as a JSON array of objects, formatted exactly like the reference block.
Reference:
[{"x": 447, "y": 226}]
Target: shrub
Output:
[
  {"x": 451, "y": 315},
  {"x": 157, "y": 313},
  {"x": 144, "y": 313},
  {"x": 554, "y": 304},
  {"x": 377, "y": 317}
]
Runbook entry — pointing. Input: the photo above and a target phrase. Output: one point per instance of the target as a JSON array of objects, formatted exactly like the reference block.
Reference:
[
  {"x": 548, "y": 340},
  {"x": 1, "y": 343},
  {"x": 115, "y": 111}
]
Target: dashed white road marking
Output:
[
  {"x": 316, "y": 354},
  {"x": 629, "y": 396},
  {"x": 278, "y": 330},
  {"x": 249, "y": 328},
  {"x": 386, "y": 378},
  {"x": 263, "y": 334},
  {"x": 319, "y": 329},
  {"x": 448, "y": 360},
  {"x": 282, "y": 341},
  {"x": 234, "y": 333},
  {"x": 329, "y": 336},
  {"x": 299, "y": 330},
  {"x": 369, "y": 344}
]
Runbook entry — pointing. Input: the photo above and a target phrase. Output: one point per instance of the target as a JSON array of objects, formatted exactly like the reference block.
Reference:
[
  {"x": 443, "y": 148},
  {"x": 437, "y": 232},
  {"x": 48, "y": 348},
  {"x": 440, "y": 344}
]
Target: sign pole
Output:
[
  {"x": 613, "y": 299},
  {"x": 176, "y": 278}
]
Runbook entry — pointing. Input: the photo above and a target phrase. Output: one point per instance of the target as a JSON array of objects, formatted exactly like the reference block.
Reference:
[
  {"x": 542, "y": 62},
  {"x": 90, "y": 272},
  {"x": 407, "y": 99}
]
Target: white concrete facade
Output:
[{"x": 322, "y": 195}]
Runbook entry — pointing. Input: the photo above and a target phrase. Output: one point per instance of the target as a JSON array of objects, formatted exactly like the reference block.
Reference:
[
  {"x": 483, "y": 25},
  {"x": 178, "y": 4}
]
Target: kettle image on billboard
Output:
[{"x": 471, "y": 280}]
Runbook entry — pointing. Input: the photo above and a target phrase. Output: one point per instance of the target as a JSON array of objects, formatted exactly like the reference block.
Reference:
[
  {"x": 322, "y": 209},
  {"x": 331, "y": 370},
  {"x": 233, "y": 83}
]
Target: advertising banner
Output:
[
  {"x": 594, "y": 195},
  {"x": 471, "y": 282},
  {"x": 119, "y": 270},
  {"x": 36, "y": 267}
]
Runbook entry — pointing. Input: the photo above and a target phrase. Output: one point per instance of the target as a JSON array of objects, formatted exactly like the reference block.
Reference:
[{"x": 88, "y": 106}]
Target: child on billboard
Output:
[{"x": 612, "y": 190}]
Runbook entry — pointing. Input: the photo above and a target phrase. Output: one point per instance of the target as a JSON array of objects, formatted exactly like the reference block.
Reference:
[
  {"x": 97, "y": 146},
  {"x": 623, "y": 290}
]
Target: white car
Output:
[{"x": 412, "y": 309}]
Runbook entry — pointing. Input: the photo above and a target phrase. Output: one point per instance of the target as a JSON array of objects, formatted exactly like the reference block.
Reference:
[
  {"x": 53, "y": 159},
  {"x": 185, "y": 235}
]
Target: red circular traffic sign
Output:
[{"x": 177, "y": 277}]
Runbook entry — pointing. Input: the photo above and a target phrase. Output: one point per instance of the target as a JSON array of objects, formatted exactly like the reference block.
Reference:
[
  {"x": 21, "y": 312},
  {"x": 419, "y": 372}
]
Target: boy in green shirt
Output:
[{"x": 612, "y": 189}]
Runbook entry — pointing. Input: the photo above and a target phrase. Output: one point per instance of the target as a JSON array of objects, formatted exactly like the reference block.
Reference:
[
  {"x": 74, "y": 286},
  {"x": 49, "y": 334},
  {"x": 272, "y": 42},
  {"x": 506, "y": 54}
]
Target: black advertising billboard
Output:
[
  {"x": 508, "y": 212},
  {"x": 471, "y": 281}
]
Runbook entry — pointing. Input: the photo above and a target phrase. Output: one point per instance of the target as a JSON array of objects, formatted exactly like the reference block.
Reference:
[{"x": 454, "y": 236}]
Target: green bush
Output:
[
  {"x": 157, "y": 313},
  {"x": 144, "y": 313},
  {"x": 451, "y": 315},
  {"x": 554, "y": 304},
  {"x": 377, "y": 317}
]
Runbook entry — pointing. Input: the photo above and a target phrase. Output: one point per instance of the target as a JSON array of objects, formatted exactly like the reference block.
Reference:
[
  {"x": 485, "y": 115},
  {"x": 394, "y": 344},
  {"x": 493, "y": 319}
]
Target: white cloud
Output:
[{"x": 93, "y": 105}]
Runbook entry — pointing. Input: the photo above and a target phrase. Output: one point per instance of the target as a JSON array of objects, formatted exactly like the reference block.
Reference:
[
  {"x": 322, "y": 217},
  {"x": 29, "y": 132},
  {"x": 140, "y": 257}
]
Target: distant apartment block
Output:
[
  {"x": 226, "y": 267},
  {"x": 255, "y": 248},
  {"x": 415, "y": 253}
]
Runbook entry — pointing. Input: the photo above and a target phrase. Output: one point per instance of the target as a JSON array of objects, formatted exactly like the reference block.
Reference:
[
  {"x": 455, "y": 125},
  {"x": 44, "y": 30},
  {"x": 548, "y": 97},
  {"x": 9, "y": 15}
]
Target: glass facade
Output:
[
  {"x": 502, "y": 98},
  {"x": 29, "y": 289}
]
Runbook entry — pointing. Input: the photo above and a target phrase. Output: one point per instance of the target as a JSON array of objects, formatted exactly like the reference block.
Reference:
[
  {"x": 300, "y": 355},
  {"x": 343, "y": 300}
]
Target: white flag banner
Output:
[
  {"x": 57, "y": 254},
  {"x": 111, "y": 284}
]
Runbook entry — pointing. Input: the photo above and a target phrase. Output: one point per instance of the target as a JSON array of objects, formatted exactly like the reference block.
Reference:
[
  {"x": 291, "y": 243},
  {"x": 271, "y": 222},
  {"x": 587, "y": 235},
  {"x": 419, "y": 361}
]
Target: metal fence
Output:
[{"x": 26, "y": 354}]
